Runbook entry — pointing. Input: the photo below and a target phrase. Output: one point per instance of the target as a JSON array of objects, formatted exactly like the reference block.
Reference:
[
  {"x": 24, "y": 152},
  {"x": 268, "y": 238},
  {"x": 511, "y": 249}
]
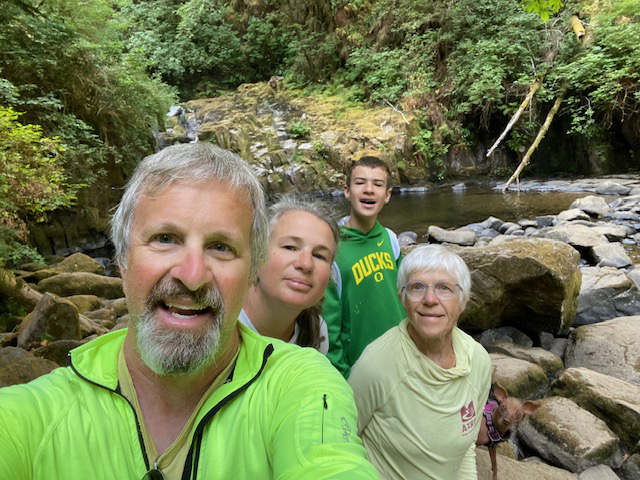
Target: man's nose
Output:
[
  {"x": 192, "y": 269},
  {"x": 304, "y": 260}
]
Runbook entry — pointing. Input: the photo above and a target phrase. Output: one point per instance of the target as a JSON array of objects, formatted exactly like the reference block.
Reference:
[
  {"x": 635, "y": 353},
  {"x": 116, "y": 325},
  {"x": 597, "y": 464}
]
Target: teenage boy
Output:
[{"x": 362, "y": 300}]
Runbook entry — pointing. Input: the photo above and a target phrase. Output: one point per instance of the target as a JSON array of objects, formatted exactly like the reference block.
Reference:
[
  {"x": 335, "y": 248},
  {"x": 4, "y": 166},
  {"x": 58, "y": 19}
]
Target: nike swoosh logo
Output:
[{"x": 380, "y": 243}]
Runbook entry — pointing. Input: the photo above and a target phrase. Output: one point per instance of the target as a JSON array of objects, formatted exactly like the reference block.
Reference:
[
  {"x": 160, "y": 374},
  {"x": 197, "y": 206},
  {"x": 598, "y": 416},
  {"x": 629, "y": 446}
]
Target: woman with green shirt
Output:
[{"x": 420, "y": 388}]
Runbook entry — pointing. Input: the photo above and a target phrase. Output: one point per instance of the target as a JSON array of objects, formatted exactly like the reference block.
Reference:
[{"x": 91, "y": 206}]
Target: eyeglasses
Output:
[
  {"x": 417, "y": 290},
  {"x": 154, "y": 474}
]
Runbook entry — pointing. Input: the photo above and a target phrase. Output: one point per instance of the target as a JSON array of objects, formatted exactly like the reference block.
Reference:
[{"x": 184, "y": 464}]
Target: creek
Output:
[{"x": 446, "y": 207}]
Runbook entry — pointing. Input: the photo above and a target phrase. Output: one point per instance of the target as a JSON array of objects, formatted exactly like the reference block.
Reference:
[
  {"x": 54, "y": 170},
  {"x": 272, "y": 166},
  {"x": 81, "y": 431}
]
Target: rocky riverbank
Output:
[{"x": 555, "y": 300}]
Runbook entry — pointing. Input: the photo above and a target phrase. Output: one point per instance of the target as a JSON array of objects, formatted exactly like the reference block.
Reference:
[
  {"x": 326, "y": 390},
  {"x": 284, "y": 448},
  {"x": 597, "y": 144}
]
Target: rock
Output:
[
  {"x": 559, "y": 347},
  {"x": 572, "y": 214},
  {"x": 506, "y": 226},
  {"x": 606, "y": 293},
  {"x": 578, "y": 236},
  {"x": 18, "y": 366},
  {"x": 90, "y": 327},
  {"x": 54, "y": 318},
  {"x": 611, "y": 255},
  {"x": 549, "y": 362},
  {"x": 611, "y": 188},
  {"x": 106, "y": 317},
  {"x": 408, "y": 238},
  {"x": 613, "y": 232},
  {"x": 514, "y": 230},
  {"x": 85, "y": 303},
  {"x": 509, "y": 334},
  {"x": 457, "y": 237},
  {"x": 493, "y": 223},
  {"x": 519, "y": 378},
  {"x": 119, "y": 305},
  {"x": 592, "y": 205},
  {"x": 611, "y": 348},
  {"x": 510, "y": 469},
  {"x": 78, "y": 262},
  {"x": 600, "y": 472},
  {"x": 630, "y": 469},
  {"x": 529, "y": 282},
  {"x": 546, "y": 340},
  {"x": 614, "y": 401},
  {"x": 545, "y": 220},
  {"x": 57, "y": 351},
  {"x": 82, "y": 283},
  {"x": 567, "y": 435}
]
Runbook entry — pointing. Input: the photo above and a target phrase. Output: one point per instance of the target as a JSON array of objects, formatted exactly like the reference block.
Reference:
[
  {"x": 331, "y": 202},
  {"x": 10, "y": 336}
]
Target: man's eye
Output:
[
  {"x": 291, "y": 248},
  {"x": 163, "y": 238},
  {"x": 321, "y": 256},
  {"x": 221, "y": 247}
]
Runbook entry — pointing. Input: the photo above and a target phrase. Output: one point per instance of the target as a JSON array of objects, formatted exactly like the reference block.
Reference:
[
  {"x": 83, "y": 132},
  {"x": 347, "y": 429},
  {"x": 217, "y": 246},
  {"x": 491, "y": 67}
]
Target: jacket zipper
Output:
[
  {"x": 135, "y": 415},
  {"x": 324, "y": 401},
  {"x": 197, "y": 437},
  {"x": 193, "y": 456}
]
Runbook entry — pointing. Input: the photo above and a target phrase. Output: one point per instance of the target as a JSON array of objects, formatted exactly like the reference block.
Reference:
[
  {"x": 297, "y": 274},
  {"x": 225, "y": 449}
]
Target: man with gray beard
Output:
[{"x": 186, "y": 391}]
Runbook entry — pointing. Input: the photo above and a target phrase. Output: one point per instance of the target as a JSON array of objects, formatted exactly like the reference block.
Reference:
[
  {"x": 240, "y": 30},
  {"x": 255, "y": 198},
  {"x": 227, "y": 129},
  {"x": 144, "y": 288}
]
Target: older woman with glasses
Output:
[{"x": 420, "y": 388}]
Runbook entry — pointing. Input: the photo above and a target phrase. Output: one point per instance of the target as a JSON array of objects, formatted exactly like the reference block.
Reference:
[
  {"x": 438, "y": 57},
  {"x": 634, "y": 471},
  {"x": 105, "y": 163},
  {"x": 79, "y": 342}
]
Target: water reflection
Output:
[{"x": 446, "y": 208}]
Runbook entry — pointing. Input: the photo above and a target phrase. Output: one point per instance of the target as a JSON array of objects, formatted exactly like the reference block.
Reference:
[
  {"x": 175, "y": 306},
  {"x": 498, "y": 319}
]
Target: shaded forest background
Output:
[{"x": 84, "y": 83}]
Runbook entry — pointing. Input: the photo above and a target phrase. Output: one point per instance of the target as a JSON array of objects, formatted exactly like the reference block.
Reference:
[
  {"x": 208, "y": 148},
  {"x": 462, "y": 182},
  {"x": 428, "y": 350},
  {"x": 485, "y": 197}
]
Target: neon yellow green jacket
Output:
[{"x": 283, "y": 413}]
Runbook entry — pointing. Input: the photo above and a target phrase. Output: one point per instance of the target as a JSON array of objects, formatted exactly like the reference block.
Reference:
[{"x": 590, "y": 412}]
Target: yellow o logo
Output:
[{"x": 378, "y": 277}]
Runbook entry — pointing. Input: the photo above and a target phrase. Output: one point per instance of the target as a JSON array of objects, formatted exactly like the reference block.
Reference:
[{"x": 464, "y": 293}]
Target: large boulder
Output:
[
  {"x": 531, "y": 284},
  {"x": 519, "y": 378},
  {"x": 82, "y": 283},
  {"x": 592, "y": 205},
  {"x": 54, "y": 318},
  {"x": 611, "y": 348},
  {"x": 510, "y": 469},
  {"x": 549, "y": 362},
  {"x": 567, "y": 435},
  {"x": 611, "y": 188},
  {"x": 78, "y": 262},
  {"x": 85, "y": 303},
  {"x": 614, "y": 401},
  {"x": 461, "y": 236},
  {"x": 18, "y": 366},
  {"x": 578, "y": 236},
  {"x": 57, "y": 351},
  {"x": 606, "y": 293},
  {"x": 611, "y": 255}
]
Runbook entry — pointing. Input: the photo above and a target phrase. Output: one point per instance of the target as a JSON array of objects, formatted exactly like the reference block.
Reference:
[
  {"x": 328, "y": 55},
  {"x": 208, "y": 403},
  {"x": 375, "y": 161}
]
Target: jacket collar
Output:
[{"x": 97, "y": 360}]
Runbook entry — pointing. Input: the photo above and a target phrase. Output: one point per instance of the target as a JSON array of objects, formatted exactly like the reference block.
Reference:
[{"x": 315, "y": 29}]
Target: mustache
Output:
[{"x": 169, "y": 288}]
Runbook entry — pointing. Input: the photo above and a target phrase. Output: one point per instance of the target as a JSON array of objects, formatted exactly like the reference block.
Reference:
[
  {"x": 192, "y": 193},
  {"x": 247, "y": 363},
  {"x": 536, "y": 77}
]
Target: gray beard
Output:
[{"x": 179, "y": 352}]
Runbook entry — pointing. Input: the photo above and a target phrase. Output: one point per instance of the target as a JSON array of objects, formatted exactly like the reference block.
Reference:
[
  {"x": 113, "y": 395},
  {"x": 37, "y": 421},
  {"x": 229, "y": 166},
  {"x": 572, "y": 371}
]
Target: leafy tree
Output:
[{"x": 32, "y": 182}]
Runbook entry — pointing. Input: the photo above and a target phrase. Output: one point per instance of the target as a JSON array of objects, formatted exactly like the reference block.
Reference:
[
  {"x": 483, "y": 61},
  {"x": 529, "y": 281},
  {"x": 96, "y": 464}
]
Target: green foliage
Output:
[
  {"x": 381, "y": 73},
  {"x": 32, "y": 181},
  {"x": 190, "y": 43},
  {"x": 431, "y": 148},
  {"x": 544, "y": 8},
  {"x": 299, "y": 129}
]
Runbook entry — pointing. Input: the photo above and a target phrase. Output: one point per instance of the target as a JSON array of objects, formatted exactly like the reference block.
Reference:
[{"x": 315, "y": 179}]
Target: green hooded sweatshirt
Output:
[{"x": 361, "y": 300}]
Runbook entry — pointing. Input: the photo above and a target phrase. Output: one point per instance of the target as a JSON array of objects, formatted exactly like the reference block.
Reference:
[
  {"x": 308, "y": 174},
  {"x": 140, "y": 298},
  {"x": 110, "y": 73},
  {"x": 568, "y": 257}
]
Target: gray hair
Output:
[
  {"x": 192, "y": 162},
  {"x": 294, "y": 203},
  {"x": 436, "y": 257}
]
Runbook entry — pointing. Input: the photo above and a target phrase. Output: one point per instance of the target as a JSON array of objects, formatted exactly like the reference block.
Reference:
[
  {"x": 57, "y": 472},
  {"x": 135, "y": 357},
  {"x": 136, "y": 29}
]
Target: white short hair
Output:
[{"x": 436, "y": 257}]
